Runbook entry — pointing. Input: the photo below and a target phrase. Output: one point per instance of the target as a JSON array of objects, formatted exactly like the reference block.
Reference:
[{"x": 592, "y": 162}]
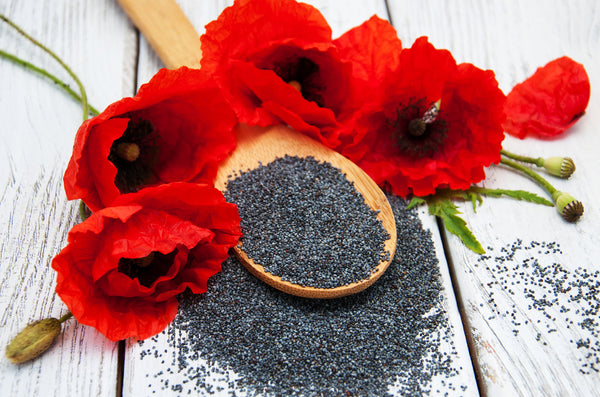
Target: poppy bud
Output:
[
  {"x": 35, "y": 339},
  {"x": 569, "y": 208},
  {"x": 563, "y": 167},
  {"x": 559, "y": 166}
]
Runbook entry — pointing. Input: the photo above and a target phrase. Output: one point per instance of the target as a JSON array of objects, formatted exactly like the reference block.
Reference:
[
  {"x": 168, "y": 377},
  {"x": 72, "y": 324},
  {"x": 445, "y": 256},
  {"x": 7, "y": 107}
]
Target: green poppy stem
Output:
[
  {"x": 65, "y": 317},
  {"x": 531, "y": 174},
  {"x": 568, "y": 207},
  {"x": 562, "y": 167},
  {"x": 84, "y": 102},
  {"x": 537, "y": 161},
  {"x": 84, "y": 211},
  {"x": 45, "y": 73}
]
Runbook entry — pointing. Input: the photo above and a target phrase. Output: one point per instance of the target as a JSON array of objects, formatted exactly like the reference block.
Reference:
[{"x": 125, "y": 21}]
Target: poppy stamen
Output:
[
  {"x": 296, "y": 84},
  {"x": 417, "y": 127},
  {"x": 134, "y": 155},
  {"x": 128, "y": 151},
  {"x": 145, "y": 261},
  {"x": 418, "y": 130},
  {"x": 148, "y": 268}
]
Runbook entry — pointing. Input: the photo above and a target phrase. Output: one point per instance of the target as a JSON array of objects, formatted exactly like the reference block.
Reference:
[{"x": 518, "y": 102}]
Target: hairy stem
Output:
[
  {"x": 45, "y": 73},
  {"x": 537, "y": 161},
  {"x": 65, "y": 317},
  {"x": 530, "y": 173}
]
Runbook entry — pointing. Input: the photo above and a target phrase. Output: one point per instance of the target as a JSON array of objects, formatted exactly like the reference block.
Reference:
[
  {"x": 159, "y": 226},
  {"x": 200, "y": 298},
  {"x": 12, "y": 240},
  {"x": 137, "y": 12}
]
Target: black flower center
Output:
[
  {"x": 135, "y": 154},
  {"x": 302, "y": 74},
  {"x": 147, "y": 269},
  {"x": 417, "y": 128}
]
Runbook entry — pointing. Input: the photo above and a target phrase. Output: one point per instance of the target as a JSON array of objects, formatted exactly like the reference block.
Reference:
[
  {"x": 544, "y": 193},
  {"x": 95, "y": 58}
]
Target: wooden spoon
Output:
[{"x": 176, "y": 42}]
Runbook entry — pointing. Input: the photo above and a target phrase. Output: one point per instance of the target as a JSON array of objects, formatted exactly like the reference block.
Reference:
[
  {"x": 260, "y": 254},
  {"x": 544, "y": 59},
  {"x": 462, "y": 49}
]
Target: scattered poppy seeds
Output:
[
  {"x": 304, "y": 221},
  {"x": 556, "y": 297},
  {"x": 243, "y": 337}
]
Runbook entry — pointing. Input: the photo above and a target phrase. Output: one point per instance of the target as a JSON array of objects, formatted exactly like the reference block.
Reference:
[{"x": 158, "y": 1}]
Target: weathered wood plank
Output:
[
  {"x": 38, "y": 126},
  {"x": 141, "y": 375},
  {"x": 525, "y": 345}
]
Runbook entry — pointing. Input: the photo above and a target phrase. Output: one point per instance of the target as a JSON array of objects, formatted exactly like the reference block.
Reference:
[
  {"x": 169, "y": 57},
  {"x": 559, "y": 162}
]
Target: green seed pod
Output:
[
  {"x": 559, "y": 166},
  {"x": 569, "y": 208},
  {"x": 35, "y": 339}
]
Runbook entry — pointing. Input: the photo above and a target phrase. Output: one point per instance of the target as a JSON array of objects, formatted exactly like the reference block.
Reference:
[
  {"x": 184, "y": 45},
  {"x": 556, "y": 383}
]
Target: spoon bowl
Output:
[{"x": 258, "y": 145}]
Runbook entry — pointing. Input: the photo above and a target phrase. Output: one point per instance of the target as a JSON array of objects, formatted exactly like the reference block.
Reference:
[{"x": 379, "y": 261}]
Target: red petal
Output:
[
  {"x": 285, "y": 102},
  {"x": 202, "y": 205},
  {"x": 550, "y": 101},
  {"x": 374, "y": 49},
  {"x": 248, "y": 26}
]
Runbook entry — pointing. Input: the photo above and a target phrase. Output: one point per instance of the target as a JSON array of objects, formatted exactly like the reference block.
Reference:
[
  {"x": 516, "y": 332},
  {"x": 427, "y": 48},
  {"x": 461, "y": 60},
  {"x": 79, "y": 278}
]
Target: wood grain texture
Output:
[
  {"x": 199, "y": 13},
  {"x": 167, "y": 30},
  {"x": 520, "y": 350},
  {"x": 38, "y": 126}
]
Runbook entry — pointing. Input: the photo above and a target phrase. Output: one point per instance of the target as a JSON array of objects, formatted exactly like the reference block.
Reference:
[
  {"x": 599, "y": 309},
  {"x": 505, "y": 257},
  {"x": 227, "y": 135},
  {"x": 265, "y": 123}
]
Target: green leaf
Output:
[
  {"x": 475, "y": 199},
  {"x": 414, "y": 202},
  {"x": 448, "y": 213},
  {"x": 516, "y": 194}
]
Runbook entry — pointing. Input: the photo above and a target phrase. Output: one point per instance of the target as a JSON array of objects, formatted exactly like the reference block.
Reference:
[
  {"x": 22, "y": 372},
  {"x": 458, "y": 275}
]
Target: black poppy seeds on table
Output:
[
  {"x": 302, "y": 220},
  {"x": 252, "y": 339},
  {"x": 556, "y": 296}
]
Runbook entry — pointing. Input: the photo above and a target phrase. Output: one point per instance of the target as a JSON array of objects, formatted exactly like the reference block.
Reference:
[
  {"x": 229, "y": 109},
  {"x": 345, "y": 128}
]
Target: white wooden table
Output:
[{"x": 505, "y": 346}]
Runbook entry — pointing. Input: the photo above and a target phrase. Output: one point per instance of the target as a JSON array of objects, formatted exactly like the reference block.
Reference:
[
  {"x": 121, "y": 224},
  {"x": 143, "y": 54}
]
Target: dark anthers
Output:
[
  {"x": 147, "y": 269},
  {"x": 417, "y": 129},
  {"x": 134, "y": 172},
  {"x": 305, "y": 72}
]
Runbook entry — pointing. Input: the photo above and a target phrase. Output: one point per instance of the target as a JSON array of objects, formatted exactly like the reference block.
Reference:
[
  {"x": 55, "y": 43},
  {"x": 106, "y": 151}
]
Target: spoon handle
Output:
[{"x": 167, "y": 29}]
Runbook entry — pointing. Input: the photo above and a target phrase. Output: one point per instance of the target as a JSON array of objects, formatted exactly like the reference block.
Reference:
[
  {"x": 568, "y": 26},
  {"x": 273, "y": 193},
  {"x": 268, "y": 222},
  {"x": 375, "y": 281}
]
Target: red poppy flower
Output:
[
  {"x": 124, "y": 265},
  {"x": 549, "y": 102},
  {"x": 177, "y": 128},
  {"x": 277, "y": 63},
  {"x": 432, "y": 123}
]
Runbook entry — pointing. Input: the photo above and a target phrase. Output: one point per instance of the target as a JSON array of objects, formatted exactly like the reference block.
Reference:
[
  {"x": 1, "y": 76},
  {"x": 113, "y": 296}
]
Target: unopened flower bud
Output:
[
  {"x": 35, "y": 339},
  {"x": 559, "y": 166},
  {"x": 569, "y": 208}
]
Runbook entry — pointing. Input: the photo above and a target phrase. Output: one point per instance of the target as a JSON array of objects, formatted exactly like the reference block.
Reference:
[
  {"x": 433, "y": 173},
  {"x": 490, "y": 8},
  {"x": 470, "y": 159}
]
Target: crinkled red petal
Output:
[
  {"x": 248, "y": 26},
  {"x": 549, "y": 102},
  {"x": 373, "y": 48},
  {"x": 286, "y": 103}
]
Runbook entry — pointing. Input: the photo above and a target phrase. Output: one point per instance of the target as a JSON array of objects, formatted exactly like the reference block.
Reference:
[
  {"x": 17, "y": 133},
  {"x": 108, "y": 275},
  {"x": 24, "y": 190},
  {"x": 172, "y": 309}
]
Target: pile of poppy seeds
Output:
[
  {"x": 303, "y": 221},
  {"x": 243, "y": 337},
  {"x": 556, "y": 297}
]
